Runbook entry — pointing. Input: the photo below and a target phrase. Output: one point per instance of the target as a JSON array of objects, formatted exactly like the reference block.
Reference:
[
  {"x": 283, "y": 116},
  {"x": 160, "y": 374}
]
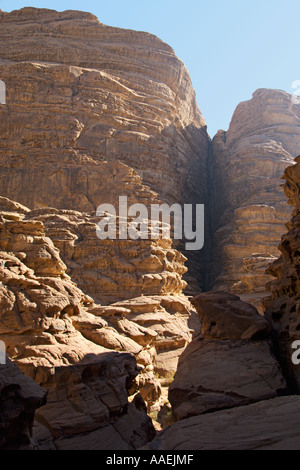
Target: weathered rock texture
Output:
[
  {"x": 20, "y": 396},
  {"x": 267, "y": 425},
  {"x": 230, "y": 364},
  {"x": 71, "y": 345},
  {"x": 45, "y": 325},
  {"x": 112, "y": 270},
  {"x": 248, "y": 206},
  {"x": 282, "y": 308},
  {"x": 93, "y": 113},
  {"x": 81, "y": 94}
]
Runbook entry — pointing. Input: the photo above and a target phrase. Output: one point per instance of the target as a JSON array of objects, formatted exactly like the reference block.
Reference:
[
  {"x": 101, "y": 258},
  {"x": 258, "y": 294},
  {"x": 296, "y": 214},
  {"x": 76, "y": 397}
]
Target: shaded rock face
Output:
[
  {"x": 266, "y": 425},
  {"x": 248, "y": 206},
  {"x": 94, "y": 94},
  {"x": 93, "y": 113},
  {"x": 226, "y": 316},
  {"x": 111, "y": 111},
  {"x": 230, "y": 364},
  {"x": 87, "y": 406},
  {"x": 20, "y": 397},
  {"x": 282, "y": 307}
]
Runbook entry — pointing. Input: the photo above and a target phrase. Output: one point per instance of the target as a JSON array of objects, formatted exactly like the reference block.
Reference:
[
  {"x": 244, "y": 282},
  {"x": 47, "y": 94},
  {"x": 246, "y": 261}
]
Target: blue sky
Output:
[{"x": 230, "y": 48}]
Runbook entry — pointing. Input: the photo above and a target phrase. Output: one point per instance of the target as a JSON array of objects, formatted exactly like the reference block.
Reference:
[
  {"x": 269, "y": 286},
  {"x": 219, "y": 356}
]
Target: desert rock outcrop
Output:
[
  {"x": 266, "y": 425},
  {"x": 42, "y": 315},
  {"x": 73, "y": 346},
  {"x": 93, "y": 113},
  {"x": 94, "y": 94},
  {"x": 248, "y": 206},
  {"x": 230, "y": 364}
]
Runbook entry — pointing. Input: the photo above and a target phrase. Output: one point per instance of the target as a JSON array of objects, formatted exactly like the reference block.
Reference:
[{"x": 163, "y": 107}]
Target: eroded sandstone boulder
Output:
[
  {"x": 220, "y": 369},
  {"x": 87, "y": 406},
  {"x": 266, "y": 425},
  {"x": 56, "y": 334},
  {"x": 226, "y": 316},
  {"x": 44, "y": 317}
]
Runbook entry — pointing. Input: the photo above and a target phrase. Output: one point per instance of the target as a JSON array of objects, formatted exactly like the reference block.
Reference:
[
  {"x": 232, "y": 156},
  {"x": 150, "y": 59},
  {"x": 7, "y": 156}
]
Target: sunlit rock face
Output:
[
  {"x": 248, "y": 204},
  {"x": 80, "y": 93}
]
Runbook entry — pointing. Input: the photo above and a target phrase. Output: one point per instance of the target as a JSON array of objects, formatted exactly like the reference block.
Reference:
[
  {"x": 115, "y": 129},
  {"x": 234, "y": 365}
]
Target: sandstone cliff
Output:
[
  {"x": 249, "y": 209},
  {"x": 104, "y": 106},
  {"x": 80, "y": 93},
  {"x": 240, "y": 358},
  {"x": 87, "y": 356},
  {"x": 94, "y": 112}
]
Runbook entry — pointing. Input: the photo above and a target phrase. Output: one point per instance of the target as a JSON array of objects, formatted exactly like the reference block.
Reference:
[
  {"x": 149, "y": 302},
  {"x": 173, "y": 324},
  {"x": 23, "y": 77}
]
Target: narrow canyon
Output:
[{"x": 130, "y": 344}]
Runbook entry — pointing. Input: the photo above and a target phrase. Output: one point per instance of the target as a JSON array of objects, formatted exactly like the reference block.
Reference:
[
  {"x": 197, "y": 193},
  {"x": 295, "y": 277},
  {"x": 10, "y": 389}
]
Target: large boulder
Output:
[
  {"x": 230, "y": 364},
  {"x": 266, "y": 425}
]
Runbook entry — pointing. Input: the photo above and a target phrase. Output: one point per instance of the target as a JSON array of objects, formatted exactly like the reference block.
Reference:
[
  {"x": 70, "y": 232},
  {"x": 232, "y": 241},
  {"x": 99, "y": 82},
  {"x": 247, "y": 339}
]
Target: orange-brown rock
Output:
[
  {"x": 226, "y": 316},
  {"x": 266, "y": 425},
  {"x": 81, "y": 94},
  {"x": 282, "y": 307},
  {"x": 112, "y": 270},
  {"x": 248, "y": 206},
  {"x": 230, "y": 364},
  {"x": 45, "y": 322},
  {"x": 55, "y": 333}
]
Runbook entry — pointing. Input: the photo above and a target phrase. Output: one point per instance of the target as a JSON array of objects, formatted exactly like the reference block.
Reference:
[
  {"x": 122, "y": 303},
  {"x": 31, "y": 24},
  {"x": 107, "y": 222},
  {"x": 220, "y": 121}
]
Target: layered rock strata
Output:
[
  {"x": 124, "y": 98},
  {"x": 114, "y": 269},
  {"x": 79, "y": 94},
  {"x": 266, "y": 425},
  {"x": 282, "y": 307},
  {"x": 225, "y": 392},
  {"x": 248, "y": 205}
]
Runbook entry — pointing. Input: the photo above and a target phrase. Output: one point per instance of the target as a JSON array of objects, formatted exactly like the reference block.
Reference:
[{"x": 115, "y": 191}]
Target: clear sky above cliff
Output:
[{"x": 230, "y": 48}]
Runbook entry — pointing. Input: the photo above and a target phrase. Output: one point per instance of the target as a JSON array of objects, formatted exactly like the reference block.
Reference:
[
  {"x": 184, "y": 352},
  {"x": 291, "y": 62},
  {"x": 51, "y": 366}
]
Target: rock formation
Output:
[
  {"x": 20, "y": 396},
  {"x": 282, "y": 307},
  {"x": 226, "y": 394},
  {"x": 112, "y": 270},
  {"x": 94, "y": 94},
  {"x": 109, "y": 109},
  {"x": 266, "y": 425},
  {"x": 230, "y": 363},
  {"x": 248, "y": 206},
  {"x": 71, "y": 346}
]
